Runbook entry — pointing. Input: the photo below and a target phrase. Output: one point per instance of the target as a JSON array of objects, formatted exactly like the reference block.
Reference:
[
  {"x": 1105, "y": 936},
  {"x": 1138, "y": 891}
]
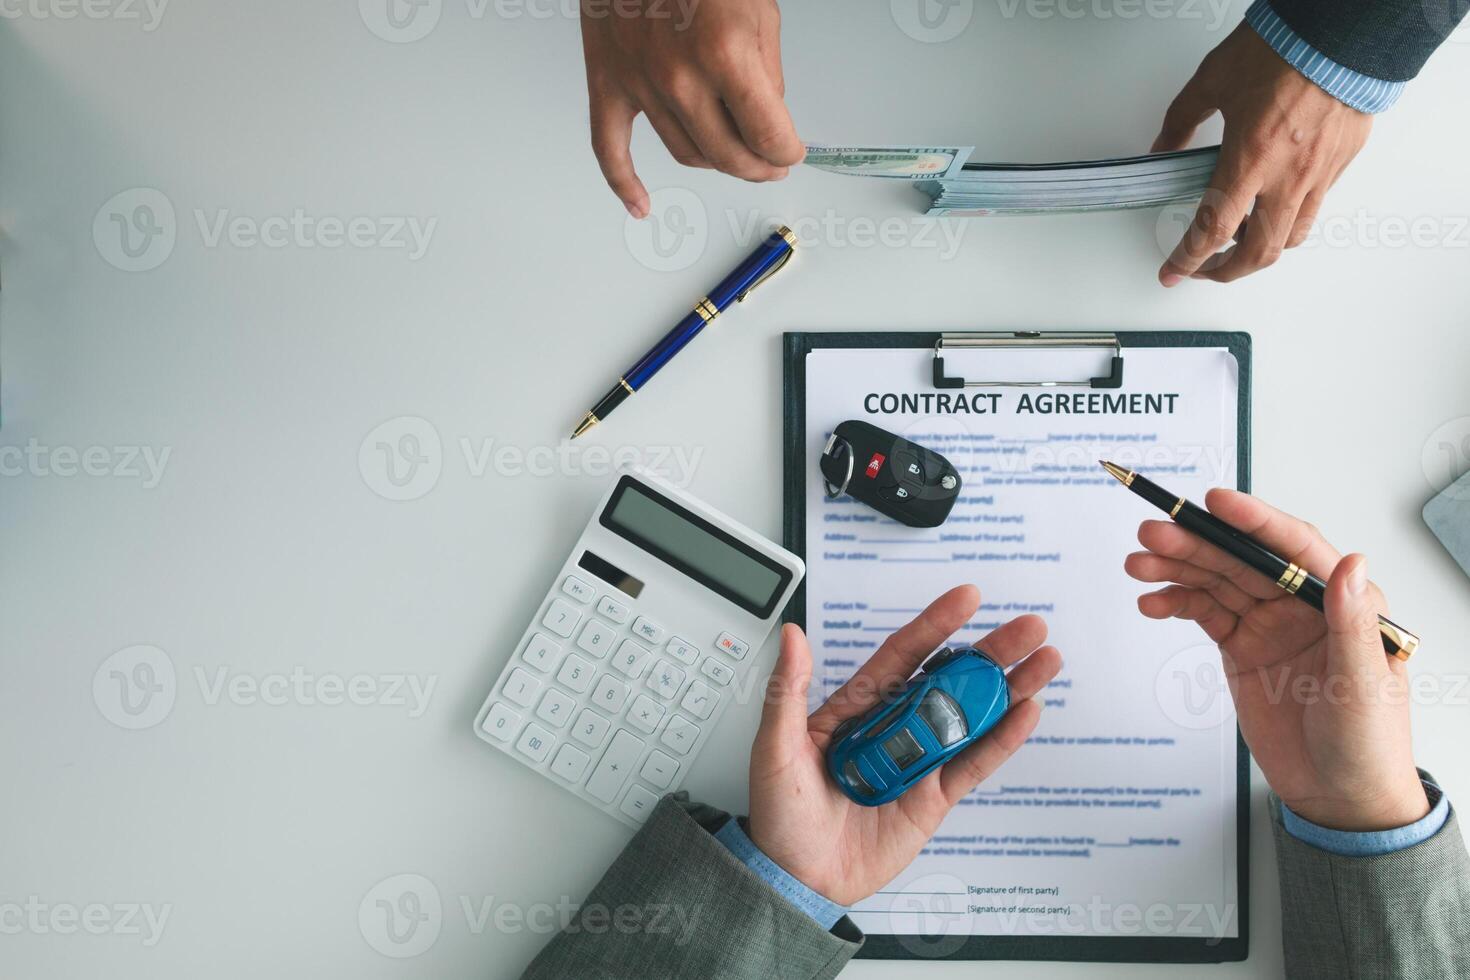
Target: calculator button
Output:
[
  {"x": 659, "y": 769},
  {"x": 700, "y": 700},
  {"x": 612, "y": 609},
  {"x": 556, "y": 708},
  {"x": 683, "y": 651},
  {"x": 610, "y": 694},
  {"x": 501, "y": 723},
  {"x": 680, "y": 735},
  {"x": 666, "y": 679},
  {"x": 630, "y": 658},
  {"x": 541, "y": 653},
  {"x": 733, "y": 645},
  {"x": 648, "y": 629},
  {"x": 576, "y": 674},
  {"x": 645, "y": 714},
  {"x": 716, "y": 670},
  {"x": 521, "y": 687},
  {"x": 570, "y": 763},
  {"x": 591, "y": 728},
  {"x": 561, "y": 618},
  {"x": 639, "y": 803},
  {"x": 535, "y": 743},
  {"x": 617, "y": 763},
  {"x": 597, "y": 638},
  {"x": 578, "y": 589}
]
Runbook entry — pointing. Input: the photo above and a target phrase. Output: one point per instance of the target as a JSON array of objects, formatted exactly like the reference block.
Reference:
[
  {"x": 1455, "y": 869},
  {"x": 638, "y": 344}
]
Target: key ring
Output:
[{"x": 832, "y": 441}]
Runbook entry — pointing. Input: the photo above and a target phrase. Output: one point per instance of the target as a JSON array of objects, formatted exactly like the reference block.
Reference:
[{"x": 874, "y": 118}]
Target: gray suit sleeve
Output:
[
  {"x": 1400, "y": 915},
  {"x": 676, "y": 903},
  {"x": 1388, "y": 39}
]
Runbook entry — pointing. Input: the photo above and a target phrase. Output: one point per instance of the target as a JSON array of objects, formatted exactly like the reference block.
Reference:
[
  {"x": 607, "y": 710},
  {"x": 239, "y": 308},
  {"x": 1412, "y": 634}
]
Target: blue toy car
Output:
[{"x": 958, "y": 697}]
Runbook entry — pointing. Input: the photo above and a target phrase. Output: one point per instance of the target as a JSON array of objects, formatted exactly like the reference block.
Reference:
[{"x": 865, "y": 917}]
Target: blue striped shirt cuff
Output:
[
  {"x": 822, "y": 911},
  {"x": 1373, "y": 843},
  {"x": 1349, "y": 87}
]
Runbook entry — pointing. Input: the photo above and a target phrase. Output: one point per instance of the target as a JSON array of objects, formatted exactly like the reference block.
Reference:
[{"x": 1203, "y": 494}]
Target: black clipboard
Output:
[{"x": 798, "y": 469}]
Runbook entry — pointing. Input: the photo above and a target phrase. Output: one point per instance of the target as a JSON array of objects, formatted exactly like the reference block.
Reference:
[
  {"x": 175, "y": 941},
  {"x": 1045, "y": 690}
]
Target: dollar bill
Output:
[{"x": 904, "y": 162}]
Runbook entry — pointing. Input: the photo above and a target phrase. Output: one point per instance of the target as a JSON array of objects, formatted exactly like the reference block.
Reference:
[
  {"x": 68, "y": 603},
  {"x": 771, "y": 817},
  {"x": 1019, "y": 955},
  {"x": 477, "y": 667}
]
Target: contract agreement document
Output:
[{"x": 1118, "y": 819}]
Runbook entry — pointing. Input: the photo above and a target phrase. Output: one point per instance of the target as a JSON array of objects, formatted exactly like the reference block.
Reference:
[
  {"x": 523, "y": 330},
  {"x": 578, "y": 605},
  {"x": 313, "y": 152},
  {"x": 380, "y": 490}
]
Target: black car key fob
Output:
[{"x": 895, "y": 477}]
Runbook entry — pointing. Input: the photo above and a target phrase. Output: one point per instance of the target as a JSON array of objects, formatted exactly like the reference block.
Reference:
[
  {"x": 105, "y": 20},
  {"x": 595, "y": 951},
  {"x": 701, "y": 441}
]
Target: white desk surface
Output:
[{"x": 265, "y": 549}]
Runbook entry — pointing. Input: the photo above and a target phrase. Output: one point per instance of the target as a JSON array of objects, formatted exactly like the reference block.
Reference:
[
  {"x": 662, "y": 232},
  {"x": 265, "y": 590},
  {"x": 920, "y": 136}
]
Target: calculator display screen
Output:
[{"x": 696, "y": 547}]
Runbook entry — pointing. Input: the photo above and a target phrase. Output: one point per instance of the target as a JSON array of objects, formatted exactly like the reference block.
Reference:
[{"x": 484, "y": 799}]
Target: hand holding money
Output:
[
  {"x": 707, "y": 76},
  {"x": 1286, "y": 142}
]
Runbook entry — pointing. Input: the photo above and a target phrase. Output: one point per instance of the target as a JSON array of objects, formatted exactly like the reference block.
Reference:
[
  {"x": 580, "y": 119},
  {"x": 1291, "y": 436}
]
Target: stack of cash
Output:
[
  {"x": 1090, "y": 185},
  {"x": 958, "y": 188}
]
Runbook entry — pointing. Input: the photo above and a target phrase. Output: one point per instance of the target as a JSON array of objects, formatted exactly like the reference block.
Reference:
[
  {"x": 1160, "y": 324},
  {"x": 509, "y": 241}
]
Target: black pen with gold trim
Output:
[
  {"x": 764, "y": 262},
  {"x": 1397, "y": 641}
]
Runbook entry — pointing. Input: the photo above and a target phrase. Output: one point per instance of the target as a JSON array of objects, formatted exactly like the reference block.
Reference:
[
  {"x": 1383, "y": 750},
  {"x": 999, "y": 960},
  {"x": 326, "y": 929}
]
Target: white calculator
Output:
[{"x": 647, "y": 634}]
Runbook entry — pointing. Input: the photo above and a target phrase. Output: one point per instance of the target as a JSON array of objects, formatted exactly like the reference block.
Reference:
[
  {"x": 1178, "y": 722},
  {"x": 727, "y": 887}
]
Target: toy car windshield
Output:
[{"x": 943, "y": 717}]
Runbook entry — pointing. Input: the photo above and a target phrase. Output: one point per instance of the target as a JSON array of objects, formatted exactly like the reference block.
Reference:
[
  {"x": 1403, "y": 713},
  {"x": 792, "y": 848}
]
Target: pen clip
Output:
[{"x": 777, "y": 267}]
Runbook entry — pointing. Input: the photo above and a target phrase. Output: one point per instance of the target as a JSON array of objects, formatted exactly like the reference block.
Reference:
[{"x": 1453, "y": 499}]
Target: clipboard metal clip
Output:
[{"x": 1060, "y": 340}]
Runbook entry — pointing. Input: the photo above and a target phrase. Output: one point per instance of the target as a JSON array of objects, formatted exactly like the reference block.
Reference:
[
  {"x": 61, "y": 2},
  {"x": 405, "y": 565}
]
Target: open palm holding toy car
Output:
[{"x": 814, "y": 830}]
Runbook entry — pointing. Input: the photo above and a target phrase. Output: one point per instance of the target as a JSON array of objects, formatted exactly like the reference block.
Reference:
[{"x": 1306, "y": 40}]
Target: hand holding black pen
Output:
[
  {"x": 1289, "y": 576},
  {"x": 1325, "y": 713}
]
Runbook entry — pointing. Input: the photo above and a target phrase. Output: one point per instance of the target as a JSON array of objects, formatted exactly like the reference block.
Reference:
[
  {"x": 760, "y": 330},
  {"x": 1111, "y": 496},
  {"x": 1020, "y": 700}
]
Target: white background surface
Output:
[{"x": 268, "y": 547}]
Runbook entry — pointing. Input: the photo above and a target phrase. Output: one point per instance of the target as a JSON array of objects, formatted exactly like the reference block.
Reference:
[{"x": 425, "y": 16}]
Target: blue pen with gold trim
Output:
[{"x": 764, "y": 262}]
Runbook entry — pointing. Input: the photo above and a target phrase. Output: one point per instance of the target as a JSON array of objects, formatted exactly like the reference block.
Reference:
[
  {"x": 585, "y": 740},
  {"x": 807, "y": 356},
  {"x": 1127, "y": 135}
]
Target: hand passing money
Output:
[
  {"x": 709, "y": 81},
  {"x": 711, "y": 87}
]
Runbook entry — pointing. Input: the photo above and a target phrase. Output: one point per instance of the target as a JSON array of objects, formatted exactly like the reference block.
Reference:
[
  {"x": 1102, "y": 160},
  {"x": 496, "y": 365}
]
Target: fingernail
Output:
[
  {"x": 1357, "y": 581},
  {"x": 638, "y": 211},
  {"x": 1169, "y": 279}
]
